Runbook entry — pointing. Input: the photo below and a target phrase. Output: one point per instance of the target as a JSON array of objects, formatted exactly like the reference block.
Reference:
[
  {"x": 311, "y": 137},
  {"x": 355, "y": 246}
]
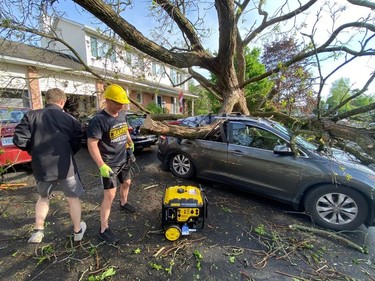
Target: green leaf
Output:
[
  {"x": 137, "y": 251},
  {"x": 198, "y": 255},
  {"x": 260, "y": 229},
  {"x": 108, "y": 273},
  {"x": 156, "y": 266}
]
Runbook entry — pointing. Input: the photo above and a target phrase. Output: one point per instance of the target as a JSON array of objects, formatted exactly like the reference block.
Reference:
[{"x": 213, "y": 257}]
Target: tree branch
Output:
[
  {"x": 363, "y": 3},
  {"x": 273, "y": 21},
  {"x": 324, "y": 48},
  {"x": 205, "y": 83},
  {"x": 183, "y": 23},
  {"x": 136, "y": 39},
  {"x": 54, "y": 38},
  {"x": 353, "y": 112}
]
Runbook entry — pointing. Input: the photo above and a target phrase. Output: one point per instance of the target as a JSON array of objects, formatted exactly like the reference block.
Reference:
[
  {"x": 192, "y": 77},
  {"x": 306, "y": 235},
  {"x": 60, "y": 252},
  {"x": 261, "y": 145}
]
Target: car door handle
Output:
[
  {"x": 188, "y": 142},
  {"x": 238, "y": 153}
]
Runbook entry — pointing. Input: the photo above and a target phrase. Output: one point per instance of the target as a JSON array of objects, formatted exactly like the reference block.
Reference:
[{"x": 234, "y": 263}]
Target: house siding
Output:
[
  {"x": 73, "y": 34},
  {"x": 49, "y": 68}
]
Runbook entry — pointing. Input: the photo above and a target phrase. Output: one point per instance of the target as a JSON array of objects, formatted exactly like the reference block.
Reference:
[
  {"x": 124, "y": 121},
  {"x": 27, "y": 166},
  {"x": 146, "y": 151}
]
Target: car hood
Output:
[{"x": 353, "y": 171}]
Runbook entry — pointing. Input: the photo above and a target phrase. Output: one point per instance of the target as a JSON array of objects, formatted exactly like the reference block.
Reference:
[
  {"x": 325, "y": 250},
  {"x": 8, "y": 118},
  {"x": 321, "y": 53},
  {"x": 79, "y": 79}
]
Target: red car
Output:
[{"x": 9, "y": 153}]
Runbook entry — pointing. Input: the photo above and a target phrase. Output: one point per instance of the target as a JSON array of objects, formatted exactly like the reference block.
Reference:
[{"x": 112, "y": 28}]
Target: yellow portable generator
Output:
[{"x": 184, "y": 210}]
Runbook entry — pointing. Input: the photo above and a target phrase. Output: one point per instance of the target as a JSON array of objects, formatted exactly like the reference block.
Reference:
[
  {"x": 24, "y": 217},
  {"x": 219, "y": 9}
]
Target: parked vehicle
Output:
[
  {"x": 9, "y": 153},
  {"x": 135, "y": 121},
  {"x": 140, "y": 140},
  {"x": 256, "y": 156}
]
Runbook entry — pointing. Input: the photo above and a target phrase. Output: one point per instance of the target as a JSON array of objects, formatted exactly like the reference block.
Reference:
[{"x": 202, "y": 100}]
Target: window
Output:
[
  {"x": 162, "y": 71},
  {"x": 139, "y": 98},
  {"x": 154, "y": 69},
  {"x": 102, "y": 50},
  {"x": 111, "y": 53},
  {"x": 250, "y": 136},
  {"x": 159, "y": 101},
  {"x": 158, "y": 69},
  {"x": 10, "y": 115},
  {"x": 94, "y": 46},
  {"x": 241, "y": 135},
  {"x": 173, "y": 76},
  {"x": 141, "y": 63},
  {"x": 176, "y": 76},
  {"x": 128, "y": 59},
  {"x": 14, "y": 97}
]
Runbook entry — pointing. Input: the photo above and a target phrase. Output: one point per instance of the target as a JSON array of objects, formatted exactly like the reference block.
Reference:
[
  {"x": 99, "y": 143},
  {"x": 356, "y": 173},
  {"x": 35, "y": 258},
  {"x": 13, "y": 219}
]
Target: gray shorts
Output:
[{"x": 72, "y": 187}]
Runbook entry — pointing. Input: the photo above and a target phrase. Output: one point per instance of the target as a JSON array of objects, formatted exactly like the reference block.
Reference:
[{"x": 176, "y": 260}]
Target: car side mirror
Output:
[{"x": 282, "y": 150}]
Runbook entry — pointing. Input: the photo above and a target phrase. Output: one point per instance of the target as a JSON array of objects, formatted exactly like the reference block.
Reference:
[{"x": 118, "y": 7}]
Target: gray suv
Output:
[{"x": 256, "y": 156}]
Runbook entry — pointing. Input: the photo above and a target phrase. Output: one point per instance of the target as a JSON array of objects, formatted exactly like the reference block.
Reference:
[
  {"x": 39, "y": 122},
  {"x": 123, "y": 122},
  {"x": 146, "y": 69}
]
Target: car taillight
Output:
[{"x": 130, "y": 129}]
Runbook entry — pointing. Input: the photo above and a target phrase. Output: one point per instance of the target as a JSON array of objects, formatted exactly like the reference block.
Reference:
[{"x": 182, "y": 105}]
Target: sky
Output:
[{"x": 357, "y": 72}]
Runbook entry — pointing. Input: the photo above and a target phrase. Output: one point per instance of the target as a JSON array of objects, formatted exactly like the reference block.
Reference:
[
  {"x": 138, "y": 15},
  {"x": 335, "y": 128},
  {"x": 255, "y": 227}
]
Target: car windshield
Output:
[
  {"x": 301, "y": 141},
  {"x": 136, "y": 121},
  {"x": 11, "y": 115}
]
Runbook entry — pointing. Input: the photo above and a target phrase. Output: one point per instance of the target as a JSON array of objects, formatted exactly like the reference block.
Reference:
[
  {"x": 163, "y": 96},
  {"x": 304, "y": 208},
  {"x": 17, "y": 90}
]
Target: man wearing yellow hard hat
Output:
[{"x": 107, "y": 138}]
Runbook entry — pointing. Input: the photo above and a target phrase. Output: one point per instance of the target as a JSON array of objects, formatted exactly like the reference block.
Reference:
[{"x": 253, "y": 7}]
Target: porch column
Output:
[
  {"x": 100, "y": 100},
  {"x": 34, "y": 88}
]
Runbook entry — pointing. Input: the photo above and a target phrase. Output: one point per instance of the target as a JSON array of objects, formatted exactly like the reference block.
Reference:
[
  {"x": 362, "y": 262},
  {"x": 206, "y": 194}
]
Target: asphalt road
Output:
[
  {"x": 147, "y": 158},
  {"x": 232, "y": 243}
]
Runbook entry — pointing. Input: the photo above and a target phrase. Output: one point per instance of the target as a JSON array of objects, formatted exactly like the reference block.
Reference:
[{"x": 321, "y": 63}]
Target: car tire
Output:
[
  {"x": 337, "y": 208},
  {"x": 181, "y": 166}
]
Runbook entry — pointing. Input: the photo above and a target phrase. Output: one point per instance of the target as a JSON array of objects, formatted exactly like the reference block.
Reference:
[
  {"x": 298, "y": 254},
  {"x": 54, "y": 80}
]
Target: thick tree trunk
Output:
[
  {"x": 363, "y": 137},
  {"x": 163, "y": 128},
  {"x": 235, "y": 102}
]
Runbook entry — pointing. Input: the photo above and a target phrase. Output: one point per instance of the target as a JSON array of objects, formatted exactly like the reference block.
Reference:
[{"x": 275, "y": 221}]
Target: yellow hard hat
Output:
[{"x": 116, "y": 93}]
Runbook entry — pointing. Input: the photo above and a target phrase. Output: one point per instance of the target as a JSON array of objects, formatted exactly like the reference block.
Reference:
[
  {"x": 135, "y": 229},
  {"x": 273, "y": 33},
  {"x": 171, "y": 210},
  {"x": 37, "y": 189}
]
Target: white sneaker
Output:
[
  {"x": 78, "y": 236},
  {"x": 36, "y": 237}
]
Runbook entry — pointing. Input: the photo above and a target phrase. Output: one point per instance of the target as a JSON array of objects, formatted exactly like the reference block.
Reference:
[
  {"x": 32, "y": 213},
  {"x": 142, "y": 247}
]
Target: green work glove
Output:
[
  {"x": 105, "y": 171},
  {"x": 131, "y": 146}
]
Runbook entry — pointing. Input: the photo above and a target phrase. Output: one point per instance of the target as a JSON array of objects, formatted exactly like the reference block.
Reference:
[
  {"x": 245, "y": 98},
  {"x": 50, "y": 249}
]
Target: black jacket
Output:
[{"x": 51, "y": 136}]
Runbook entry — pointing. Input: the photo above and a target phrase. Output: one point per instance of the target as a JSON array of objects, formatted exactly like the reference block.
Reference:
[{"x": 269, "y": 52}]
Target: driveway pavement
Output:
[{"x": 245, "y": 237}]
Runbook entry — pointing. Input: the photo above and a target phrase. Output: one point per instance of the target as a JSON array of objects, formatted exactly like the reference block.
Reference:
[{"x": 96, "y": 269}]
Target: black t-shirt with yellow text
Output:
[{"x": 112, "y": 135}]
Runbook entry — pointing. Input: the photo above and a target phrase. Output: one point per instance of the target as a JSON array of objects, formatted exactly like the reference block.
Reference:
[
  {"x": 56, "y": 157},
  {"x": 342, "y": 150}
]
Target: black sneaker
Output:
[
  {"x": 127, "y": 207},
  {"x": 108, "y": 236}
]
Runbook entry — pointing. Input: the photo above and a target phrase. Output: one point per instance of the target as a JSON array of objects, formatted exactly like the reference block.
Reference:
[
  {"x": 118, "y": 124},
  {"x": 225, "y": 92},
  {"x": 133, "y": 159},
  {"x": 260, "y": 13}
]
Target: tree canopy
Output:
[{"x": 183, "y": 27}]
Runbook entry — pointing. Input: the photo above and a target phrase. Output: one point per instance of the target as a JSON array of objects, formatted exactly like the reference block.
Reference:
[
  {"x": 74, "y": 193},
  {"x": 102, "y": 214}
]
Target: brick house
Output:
[{"x": 28, "y": 71}]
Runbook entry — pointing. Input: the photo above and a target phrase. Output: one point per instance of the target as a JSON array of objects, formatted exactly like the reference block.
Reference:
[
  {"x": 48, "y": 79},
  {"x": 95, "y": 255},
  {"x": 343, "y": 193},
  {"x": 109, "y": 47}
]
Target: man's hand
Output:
[
  {"x": 105, "y": 171},
  {"x": 132, "y": 146}
]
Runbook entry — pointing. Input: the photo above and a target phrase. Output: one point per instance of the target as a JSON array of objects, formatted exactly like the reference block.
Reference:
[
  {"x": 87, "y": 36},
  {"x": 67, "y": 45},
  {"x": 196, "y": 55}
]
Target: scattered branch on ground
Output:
[{"x": 329, "y": 234}]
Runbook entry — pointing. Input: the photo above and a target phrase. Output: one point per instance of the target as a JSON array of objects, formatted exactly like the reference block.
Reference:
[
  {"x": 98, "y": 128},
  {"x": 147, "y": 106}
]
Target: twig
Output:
[
  {"x": 319, "y": 269},
  {"x": 83, "y": 273},
  {"x": 160, "y": 231},
  {"x": 98, "y": 270},
  {"x": 158, "y": 252},
  {"x": 290, "y": 275},
  {"x": 247, "y": 276},
  {"x": 329, "y": 234},
  {"x": 9, "y": 185},
  {"x": 144, "y": 234},
  {"x": 150, "y": 186},
  {"x": 368, "y": 274}
]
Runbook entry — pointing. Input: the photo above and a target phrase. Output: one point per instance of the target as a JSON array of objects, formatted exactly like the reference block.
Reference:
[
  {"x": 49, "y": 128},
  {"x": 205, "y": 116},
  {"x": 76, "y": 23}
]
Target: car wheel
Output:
[
  {"x": 181, "y": 166},
  {"x": 338, "y": 208}
]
